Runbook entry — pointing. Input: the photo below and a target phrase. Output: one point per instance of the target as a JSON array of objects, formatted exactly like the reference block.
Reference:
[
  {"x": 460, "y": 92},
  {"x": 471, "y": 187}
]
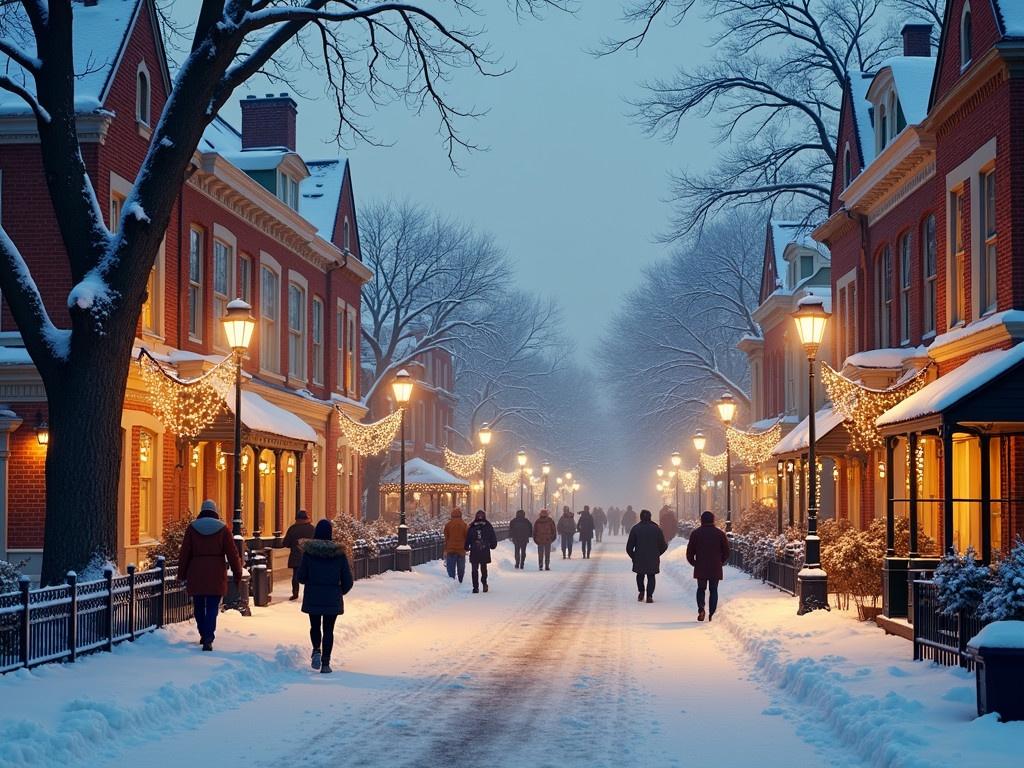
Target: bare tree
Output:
[
  {"x": 930, "y": 11},
  {"x": 368, "y": 54},
  {"x": 435, "y": 282},
  {"x": 773, "y": 88}
]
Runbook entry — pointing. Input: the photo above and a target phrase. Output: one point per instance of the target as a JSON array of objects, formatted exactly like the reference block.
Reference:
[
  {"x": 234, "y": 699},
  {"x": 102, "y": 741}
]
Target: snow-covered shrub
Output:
[
  {"x": 961, "y": 582},
  {"x": 9, "y": 575},
  {"x": 758, "y": 520},
  {"x": 1005, "y": 600},
  {"x": 901, "y": 529},
  {"x": 170, "y": 542}
]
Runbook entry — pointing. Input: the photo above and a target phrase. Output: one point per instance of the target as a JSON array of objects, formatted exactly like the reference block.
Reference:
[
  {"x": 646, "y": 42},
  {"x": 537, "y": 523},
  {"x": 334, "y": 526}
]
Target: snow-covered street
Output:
[{"x": 554, "y": 668}]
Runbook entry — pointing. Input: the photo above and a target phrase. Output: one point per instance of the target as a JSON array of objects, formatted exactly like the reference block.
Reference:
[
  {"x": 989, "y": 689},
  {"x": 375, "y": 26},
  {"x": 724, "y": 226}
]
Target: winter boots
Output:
[
  {"x": 325, "y": 668},
  {"x": 316, "y": 661},
  {"x": 700, "y": 614}
]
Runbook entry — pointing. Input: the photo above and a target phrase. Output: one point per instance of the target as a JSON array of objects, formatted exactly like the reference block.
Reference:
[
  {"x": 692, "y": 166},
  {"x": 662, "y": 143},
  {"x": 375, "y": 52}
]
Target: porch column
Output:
[
  {"x": 947, "y": 486},
  {"x": 298, "y": 480},
  {"x": 257, "y": 523},
  {"x": 986, "y": 499},
  {"x": 789, "y": 489},
  {"x": 895, "y": 570},
  {"x": 9, "y": 422},
  {"x": 778, "y": 495},
  {"x": 803, "y": 490},
  {"x": 890, "y": 505},
  {"x": 278, "y": 492},
  {"x": 912, "y": 476}
]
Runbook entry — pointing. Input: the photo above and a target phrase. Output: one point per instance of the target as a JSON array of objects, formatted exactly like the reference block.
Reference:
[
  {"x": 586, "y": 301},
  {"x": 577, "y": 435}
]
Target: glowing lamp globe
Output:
[
  {"x": 485, "y": 434},
  {"x": 699, "y": 441},
  {"x": 401, "y": 387},
  {"x": 726, "y": 406},
  {"x": 521, "y": 458},
  {"x": 811, "y": 319},
  {"x": 677, "y": 459},
  {"x": 238, "y": 324},
  {"x": 660, "y": 471},
  {"x": 545, "y": 469}
]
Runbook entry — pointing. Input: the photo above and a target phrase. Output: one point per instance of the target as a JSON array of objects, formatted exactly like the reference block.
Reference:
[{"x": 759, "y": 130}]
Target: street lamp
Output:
[
  {"x": 659, "y": 471},
  {"x": 699, "y": 441},
  {"x": 726, "y": 406},
  {"x": 521, "y": 461},
  {"x": 238, "y": 328},
  {"x": 677, "y": 460},
  {"x": 484, "y": 435},
  {"x": 401, "y": 388},
  {"x": 575, "y": 487},
  {"x": 545, "y": 469},
  {"x": 812, "y": 581}
]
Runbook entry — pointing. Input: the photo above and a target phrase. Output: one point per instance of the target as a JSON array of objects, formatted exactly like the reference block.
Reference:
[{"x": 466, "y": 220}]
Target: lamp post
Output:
[
  {"x": 401, "y": 387},
  {"x": 484, "y": 435},
  {"x": 699, "y": 441},
  {"x": 811, "y": 582},
  {"x": 545, "y": 470},
  {"x": 726, "y": 406},
  {"x": 677, "y": 460},
  {"x": 521, "y": 461},
  {"x": 575, "y": 487}
]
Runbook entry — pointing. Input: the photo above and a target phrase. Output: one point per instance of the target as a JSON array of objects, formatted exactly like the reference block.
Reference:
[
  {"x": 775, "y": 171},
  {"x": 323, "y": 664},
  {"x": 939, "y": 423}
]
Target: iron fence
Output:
[
  {"x": 941, "y": 637},
  {"x": 781, "y": 574}
]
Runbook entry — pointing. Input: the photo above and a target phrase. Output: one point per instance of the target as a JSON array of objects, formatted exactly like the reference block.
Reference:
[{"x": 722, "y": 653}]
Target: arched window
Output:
[
  {"x": 847, "y": 167},
  {"x": 966, "y": 37},
  {"x": 142, "y": 95},
  {"x": 346, "y": 235}
]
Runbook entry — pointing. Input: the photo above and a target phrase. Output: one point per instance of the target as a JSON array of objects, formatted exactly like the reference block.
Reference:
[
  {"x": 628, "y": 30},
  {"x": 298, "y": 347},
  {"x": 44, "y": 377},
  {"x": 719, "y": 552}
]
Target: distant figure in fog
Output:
[
  {"x": 628, "y": 519},
  {"x": 614, "y": 521},
  {"x": 544, "y": 535},
  {"x": 600, "y": 521},
  {"x": 296, "y": 534},
  {"x": 567, "y": 532},
  {"x": 325, "y": 572},
  {"x": 520, "y": 529},
  {"x": 645, "y": 546},
  {"x": 455, "y": 531},
  {"x": 585, "y": 528},
  {"x": 707, "y": 551},
  {"x": 669, "y": 524},
  {"x": 480, "y": 540}
]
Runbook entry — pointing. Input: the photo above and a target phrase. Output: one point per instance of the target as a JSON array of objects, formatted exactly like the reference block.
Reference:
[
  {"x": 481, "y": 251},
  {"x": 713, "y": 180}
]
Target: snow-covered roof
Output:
[
  {"x": 1007, "y": 317},
  {"x": 787, "y": 233},
  {"x": 885, "y": 358},
  {"x": 913, "y": 78},
  {"x": 798, "y": 439},
  {"x": 421, "y": 472},
  {"x": 262, "y": 416},
  {"x": 320, "y": 194},
  {"x": 14, "y": 356},
  {"x": 257, "y": 159},
  {"x": 946, "y": 391},
  {"x": 220, "y": 136},
  {"x": 100, "y": 32},
  {"x": 1012, "y": 12},
  {"x": 859, "y": 84}
]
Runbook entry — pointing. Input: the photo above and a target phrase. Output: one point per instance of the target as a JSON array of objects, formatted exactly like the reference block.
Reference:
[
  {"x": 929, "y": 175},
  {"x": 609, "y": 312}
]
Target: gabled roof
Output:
[
  {"x": 781, "y": 236},
  {"x": 100, "y": 36},
  {"x": 862, "y": 125},
  {"x": 1011, "y": 13},
  {"x": 320, "y": 194}
]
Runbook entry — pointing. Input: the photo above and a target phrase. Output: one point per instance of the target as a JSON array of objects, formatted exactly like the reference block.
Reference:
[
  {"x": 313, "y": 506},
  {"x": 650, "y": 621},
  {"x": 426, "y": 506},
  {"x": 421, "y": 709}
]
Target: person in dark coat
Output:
[
  {"x": 520, "y": 529},
  {"x": 628, "y": 519},
  {"x": 600, "y": 521},
  {"x": 645, "y": 546},
  {"x": 585, "y": 528},
  {"x": 544, "y": 534},
  {"x": 567, "y": 531},
  {"x": 669, "y": 524},
  {"x": 707, "y": 551},
  {"x": 480, "y": 540},
  {"x": 207, "y": 545},
  {"x": 297, "y": 533},
  {"x": 325, "y": 571},
  {"x": 614, "y": 521}
]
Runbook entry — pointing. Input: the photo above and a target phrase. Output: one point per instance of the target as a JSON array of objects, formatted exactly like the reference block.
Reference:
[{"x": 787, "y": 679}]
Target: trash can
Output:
[
  {"x": 260, "y": 581},
  {"x": 999, "y": 669}
]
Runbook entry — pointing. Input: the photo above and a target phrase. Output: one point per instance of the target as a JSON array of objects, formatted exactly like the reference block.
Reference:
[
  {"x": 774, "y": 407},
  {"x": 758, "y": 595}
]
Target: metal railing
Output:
[
  {"x": 781, "y": 574},
  {"x": 940, "y": 637}
]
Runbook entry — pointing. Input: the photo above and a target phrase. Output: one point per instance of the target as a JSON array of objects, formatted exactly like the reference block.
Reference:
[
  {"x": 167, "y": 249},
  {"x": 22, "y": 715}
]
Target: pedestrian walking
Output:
[
  {"x": 480, "y": 540},
  {"x": 645, "y": 546},
  {"x": 328, "y": 578},
  {"x": 567, "y": 532},
  {"x": 585, "y": 528},
  {"x": 455, "y": 545},
  {"x": 628, "y": 519},
  {"x": 600, "y": 521},
  {"x": 669, "y": 524},
  {"x": 207, "y": 546},
  {"x": 544, "y": 535},
  {"x": 614, "y": 521},
  {"x": 297, "y": 533},
  {"x": 520, "y": 529},
  {"x": 707, "y": 551}
]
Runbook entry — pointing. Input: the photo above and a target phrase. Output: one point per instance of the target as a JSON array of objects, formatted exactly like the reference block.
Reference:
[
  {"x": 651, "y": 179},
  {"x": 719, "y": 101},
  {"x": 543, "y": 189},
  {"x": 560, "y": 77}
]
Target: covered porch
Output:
[{"x": 441, "y": 489}]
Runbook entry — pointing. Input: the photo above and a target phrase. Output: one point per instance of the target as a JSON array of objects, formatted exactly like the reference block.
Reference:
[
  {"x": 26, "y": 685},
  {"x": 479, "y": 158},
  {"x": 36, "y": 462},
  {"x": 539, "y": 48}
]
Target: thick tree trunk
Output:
[{"x": 83, "y": 457}]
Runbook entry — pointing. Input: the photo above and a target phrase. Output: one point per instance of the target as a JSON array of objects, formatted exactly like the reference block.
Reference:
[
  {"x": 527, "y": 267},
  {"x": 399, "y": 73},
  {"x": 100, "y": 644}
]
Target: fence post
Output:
[
  {"x": 131, "y": 601},
  {"x": 961, "y": 640},
  {"x": 26, "y": 615},
  {"x": 161, "y": 566},
  {"x": 72, "y": 580},
  {"x": 108, "y": 576}
]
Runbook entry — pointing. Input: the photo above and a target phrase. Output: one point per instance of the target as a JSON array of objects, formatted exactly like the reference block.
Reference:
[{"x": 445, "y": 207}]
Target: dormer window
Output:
[
  {"x": 288, "y": 190},
  {"x": 346, "y": 236},
  {"x": 966, "y": 37},
  {"x": 882, "y": 128},
  {"x": 142, "y": 95},
  {"x": 889, "y": 119}
]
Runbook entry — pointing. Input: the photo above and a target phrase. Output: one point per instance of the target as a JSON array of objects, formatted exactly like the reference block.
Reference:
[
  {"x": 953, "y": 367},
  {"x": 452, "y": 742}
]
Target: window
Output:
[
  {"x": 288, "y": 190},
  {"x": 148, "y": 524},
  {"x": 847, "y": 167},
  {"x": 988, "y": 229},
  {"x": 270, "y": 306},
  {"x": 346, "y": 236},
  {"x": 882, "y": 128},
  {"x": 930, "y": 273},
  {"x": 116, "y": 210},
  {"x": 958, "y": 281},
  {"x": 806, "y": 265},
  {"x": 223, "y": 261},
  {"x": 352, "y": 348},
  {"x": 318, "y": 341},
  {"x": 296, "y": 331},
  {"x": 340, "y": 330},
  {"x": 966, "y": 37},
  {"x": 884, "y": 296},
  {"x": 142, "y": 95},
  {"x": 905, "y": 279},
  {"x": 245, "y": 279},
  {"x": 195, "y": 284}
]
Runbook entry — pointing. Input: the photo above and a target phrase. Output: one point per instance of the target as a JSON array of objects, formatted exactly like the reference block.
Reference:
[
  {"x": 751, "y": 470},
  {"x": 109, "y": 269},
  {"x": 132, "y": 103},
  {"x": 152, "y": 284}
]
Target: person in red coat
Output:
[
  {"x": 201, "y": 566},
  {"x": 707, "y": 551}
]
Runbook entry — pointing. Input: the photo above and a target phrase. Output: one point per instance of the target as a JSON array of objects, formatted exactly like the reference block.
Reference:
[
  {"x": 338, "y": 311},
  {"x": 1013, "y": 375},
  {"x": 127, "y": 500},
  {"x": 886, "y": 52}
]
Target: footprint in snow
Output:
[
  {"x": 898, "y": 672},
  {"x": 771, "y": 711}
]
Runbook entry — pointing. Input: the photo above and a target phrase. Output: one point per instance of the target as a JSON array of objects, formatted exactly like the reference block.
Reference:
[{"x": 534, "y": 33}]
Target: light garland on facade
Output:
[
  {"x": 411, "y": 488},
  {"x": 464, "y": 464},
  {"x": 370, "y": 439},
  {"x": 186, "y": 407},
  {"x": 754, "y": 448},
  {"x": 715, "y": 464},
  {"x": 688, "y": 478},
  {"x": 507, "y": 480},
  {"x": 861, "y": 406}
]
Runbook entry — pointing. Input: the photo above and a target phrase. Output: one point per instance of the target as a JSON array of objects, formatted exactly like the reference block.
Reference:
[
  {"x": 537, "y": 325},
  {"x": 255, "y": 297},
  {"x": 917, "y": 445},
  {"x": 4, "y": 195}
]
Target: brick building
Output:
[
  {"x": 928, "y": 275},
  {"x": 254, "y": 220}
]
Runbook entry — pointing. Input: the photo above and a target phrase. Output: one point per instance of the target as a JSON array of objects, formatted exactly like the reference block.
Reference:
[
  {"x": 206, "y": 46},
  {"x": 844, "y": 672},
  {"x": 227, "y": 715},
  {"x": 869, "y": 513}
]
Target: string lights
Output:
[
  {"x": 861, "y": 406},
  {"x": 370, "y": 439},
  {"x": 186, "y": 406},
  {"x": 754, "y": 448},
  {"x": 715, "y": 464},
  {"x": 507, "y": 480},
  {"x": 688, "y": 478},
  {"x": 464, "y": 464}
]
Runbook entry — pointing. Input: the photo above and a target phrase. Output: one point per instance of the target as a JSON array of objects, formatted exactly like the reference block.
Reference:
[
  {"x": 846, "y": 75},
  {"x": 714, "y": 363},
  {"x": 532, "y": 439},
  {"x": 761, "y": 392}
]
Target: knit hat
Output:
[
  {"x": 209, "y": 509},
  {"x": 302, "y": 515},
  {"x": 707, "y": 517},
  {"x": 324, "y": 530},
  {"x": 480, "y": 515}
]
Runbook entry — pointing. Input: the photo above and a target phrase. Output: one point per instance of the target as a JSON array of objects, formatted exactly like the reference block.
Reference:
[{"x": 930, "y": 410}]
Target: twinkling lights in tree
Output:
[
  {"x": 754, "y": 448},
  {"x": 464, "y": 464},
  {"x": 186, "y": 406},
  {"x": 861, "y": 406},
  {"x": 715, "y": 464},
  {"x": 370, "y": 439}
]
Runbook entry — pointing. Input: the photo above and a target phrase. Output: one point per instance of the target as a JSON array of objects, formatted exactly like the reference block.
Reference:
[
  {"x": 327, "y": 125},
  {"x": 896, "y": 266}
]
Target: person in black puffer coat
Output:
[
  {"x": 520, "y": 529},
  {"x": 480, "y": 540},
  {"x": 297, "y": 533},
  {"x": 567, "y": 531},
  {"x": 585, "y": 527},
  {"x": 325, "y": 572},
  {"x": 645, "y": 546}
]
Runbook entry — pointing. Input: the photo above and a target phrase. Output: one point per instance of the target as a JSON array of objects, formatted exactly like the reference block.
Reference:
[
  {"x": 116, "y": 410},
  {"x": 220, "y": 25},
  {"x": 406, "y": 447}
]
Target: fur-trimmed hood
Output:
[{"x": 322, "y": 548}]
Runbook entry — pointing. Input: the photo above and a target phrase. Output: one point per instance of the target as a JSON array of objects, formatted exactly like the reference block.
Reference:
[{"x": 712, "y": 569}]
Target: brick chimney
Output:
[
  {"x": 917, "y": 39},
  {"x": 268, "y": 121}
]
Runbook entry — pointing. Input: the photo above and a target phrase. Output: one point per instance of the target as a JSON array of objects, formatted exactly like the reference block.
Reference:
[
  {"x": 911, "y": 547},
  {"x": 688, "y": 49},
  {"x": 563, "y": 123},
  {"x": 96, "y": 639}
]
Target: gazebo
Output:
[{"x": 426, "y": 479}]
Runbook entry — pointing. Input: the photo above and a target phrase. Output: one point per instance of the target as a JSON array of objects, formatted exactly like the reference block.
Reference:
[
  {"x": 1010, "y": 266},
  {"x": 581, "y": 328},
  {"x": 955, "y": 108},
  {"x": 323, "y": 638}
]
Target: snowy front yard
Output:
[{"x": 548, "y": 669}]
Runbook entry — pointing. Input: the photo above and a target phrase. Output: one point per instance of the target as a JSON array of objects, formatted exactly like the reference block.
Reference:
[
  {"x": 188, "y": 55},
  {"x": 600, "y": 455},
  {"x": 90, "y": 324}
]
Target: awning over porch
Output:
[
  {"x": 262, "y": 416},
  {"x": 987, "y": 389},
  {"x": 828, "y": 428},
  {"x": 424, "y": 477}
]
